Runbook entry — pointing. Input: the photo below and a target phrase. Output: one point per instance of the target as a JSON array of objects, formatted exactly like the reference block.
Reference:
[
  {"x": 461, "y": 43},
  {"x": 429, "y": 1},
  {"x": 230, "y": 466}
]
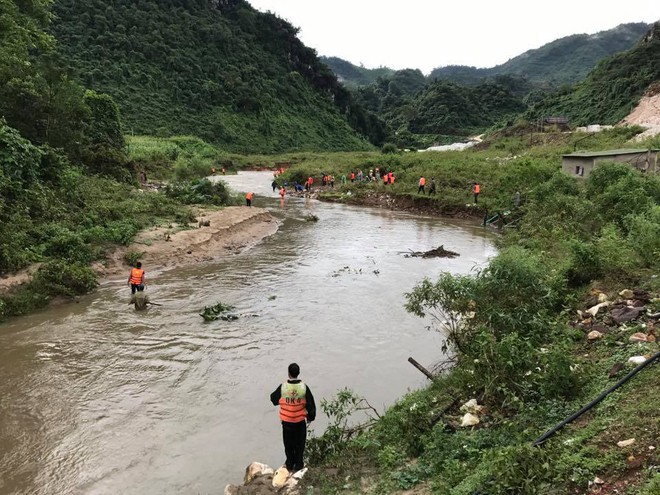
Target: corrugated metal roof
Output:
[{"x": 588, "y": 154}]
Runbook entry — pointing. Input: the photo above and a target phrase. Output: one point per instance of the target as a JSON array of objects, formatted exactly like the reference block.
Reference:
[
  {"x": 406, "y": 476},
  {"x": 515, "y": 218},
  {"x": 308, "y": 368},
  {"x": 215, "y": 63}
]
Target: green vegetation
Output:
[
  {"x": 218, "y": 311},
  {"x": 221, "y": 71},
  {"x": 67, "y": 194},
  {"x": 510, "y": 329}
]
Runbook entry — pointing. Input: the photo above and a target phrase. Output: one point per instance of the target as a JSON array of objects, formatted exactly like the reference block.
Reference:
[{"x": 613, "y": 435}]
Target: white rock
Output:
[
  {"x": 638, "y": 337},
  {"x": 472, "y": 406},
  {"x": 598, "y": 481},
  {"x": 594, "y": 335},
  {"x": 256, "y": 469},
  {"x": 625, "y": 443},
  {"x": 593, "y": 311},
  {"x": 299, "y": 474},
  {"x": 230, "y": 490},
  {"x": 637, "y": 359},
  {"x": 469, "y": 420},
  {"x": 291, "y": 483}
]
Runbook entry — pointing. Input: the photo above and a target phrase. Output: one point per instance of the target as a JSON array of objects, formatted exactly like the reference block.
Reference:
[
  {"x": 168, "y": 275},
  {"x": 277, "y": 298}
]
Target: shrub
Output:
[
  {"x": 644, "y": 235},
  {"x": 389, "y": 148},
  {"x": 584, "y": 264},
  {"x": 60, "y": 278}
]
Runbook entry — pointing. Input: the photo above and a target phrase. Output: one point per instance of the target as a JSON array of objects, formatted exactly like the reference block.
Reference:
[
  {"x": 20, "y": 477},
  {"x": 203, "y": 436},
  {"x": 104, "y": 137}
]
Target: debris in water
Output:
[
  {"x": 218, "y": 312},
  {"x": 272, "y": 298},
  {"x": 311, "y": 218},
  {"x": 439, "y": 252}
]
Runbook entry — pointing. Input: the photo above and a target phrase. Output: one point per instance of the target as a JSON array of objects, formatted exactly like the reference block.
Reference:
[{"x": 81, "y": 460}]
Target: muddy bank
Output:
[
  {"x": 405, "y": 202},
  {"x": 217, "y": 233},
  {"x": 225, "y": 231}
]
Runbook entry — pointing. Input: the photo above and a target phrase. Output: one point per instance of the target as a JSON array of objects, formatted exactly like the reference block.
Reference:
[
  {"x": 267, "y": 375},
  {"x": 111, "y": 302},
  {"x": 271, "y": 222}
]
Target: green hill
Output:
[
  {"x": 220, "y": 70},
  {"x": 563, "y": 61},
  {"x": 352, "y": 75},
  {"x": 612, "y": 89}
]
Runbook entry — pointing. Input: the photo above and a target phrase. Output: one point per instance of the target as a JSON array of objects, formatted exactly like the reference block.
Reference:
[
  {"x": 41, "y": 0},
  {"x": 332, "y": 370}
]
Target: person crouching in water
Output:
[{"x": 140, "y": 300}]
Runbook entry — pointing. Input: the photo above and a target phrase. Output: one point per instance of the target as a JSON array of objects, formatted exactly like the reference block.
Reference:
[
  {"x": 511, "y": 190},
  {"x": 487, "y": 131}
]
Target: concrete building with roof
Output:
[{"x": 581, "y": 164}]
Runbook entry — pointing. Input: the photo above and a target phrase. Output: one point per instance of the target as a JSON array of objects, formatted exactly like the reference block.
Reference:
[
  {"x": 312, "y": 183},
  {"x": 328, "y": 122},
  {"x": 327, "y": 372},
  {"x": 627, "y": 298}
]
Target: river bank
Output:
[{"x": 217, "y": 233}]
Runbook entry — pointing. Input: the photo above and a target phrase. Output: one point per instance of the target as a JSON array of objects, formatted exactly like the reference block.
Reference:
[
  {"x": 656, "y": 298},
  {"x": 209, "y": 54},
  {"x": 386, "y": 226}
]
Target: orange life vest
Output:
[
  {"x": 476, "y": 189},
  {"x": 136, "y": 276},
  {"x": 248, "y": 196},
  {"x": 422, "y": 181},
  {"x": 310, "y": 181},
  {"x": 293, "y": 404}
]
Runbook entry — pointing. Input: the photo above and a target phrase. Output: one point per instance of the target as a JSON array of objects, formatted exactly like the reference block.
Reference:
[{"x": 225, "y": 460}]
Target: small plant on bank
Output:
[
  {"x": 132, "y": 257},
  {"x": 341, "y": 412}
]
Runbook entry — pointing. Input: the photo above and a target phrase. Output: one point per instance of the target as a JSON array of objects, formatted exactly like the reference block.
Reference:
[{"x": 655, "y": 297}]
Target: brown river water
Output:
[{"x": 98, "y": 399}]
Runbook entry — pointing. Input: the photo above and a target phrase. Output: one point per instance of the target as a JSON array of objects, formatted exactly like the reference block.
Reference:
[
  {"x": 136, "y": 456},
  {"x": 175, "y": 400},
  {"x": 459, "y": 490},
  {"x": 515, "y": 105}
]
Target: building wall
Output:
[
  {"x": 581, "y": 166},
  {"x": 577, "y": 166}
]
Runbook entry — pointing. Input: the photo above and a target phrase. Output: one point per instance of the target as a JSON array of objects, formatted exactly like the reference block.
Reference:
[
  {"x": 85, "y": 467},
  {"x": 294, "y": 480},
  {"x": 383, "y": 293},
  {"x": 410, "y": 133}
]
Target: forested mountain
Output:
[
  {"x": 612, "y": 89},
  {"x": 352, "y": 75},
  {"x": 566, "y": 60},
  {"x": 217, "y": 69},
  {"x": 563, "y": 61}
]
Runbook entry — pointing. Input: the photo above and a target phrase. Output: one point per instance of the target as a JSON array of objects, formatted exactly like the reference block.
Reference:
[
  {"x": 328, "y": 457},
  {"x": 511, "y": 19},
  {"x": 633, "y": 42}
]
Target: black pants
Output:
[
  {"x": 294, "y": 435},
  {"x": 420, "y": 189},
  {"x": 136, "y": 288},
  {"x": 248, "y": 202},
  {"x": 476, "y": 197}
]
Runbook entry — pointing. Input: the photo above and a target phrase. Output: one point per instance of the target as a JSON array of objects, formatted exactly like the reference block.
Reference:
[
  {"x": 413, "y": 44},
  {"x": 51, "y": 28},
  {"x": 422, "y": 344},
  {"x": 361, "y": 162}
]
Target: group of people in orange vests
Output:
[{"x": 214, "y": 171}]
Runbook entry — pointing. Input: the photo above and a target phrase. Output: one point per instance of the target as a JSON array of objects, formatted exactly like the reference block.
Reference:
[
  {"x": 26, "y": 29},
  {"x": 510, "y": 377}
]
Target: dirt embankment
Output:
[
  {"x": 646, "y": 113},
  {"x": 218, "y": 233},
  {"x": 228, "y": 231}
]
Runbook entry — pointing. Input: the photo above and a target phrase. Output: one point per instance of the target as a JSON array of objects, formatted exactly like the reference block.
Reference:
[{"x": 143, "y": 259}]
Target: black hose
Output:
[
  {"x": 542, "y": 439},
  {"x": 574, "y": 416}
]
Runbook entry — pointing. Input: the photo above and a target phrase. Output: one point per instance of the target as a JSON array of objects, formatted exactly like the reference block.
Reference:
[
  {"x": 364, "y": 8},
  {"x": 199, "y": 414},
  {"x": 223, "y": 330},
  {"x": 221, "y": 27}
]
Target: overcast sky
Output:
[{"x": 425, "y": 34}]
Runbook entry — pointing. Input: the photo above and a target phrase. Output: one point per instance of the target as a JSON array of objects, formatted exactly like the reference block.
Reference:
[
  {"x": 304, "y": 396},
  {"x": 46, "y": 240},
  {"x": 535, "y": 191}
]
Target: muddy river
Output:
[{"x": 98, "y": 399}]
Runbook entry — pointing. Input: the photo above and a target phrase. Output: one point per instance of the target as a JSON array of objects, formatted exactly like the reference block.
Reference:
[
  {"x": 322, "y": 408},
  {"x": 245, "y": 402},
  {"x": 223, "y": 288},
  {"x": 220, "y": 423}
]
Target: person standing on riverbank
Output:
[
  {"x": 432, "y": 186},
  {"x": 297, "y": 408},
  {"x": 248, "y": 199},
  {"x": 476, "y": 190},
  {"x": 421, "y": 185},
  {"x": 136, "y": 278}
]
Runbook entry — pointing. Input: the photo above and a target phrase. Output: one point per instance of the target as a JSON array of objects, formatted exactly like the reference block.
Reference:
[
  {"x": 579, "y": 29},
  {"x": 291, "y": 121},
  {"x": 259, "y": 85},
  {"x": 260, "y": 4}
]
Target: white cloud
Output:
[{"x": 425, "y": 33}]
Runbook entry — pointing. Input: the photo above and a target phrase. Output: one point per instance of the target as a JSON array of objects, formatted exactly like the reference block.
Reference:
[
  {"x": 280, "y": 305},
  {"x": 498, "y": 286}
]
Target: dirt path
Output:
[{"x": 646, "y": 113}]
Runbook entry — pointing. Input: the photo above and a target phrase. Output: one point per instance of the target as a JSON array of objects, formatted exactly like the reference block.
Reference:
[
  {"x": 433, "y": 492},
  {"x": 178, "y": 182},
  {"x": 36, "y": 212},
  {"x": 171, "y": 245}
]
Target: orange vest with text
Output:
[{"x": 293, "y": 404}]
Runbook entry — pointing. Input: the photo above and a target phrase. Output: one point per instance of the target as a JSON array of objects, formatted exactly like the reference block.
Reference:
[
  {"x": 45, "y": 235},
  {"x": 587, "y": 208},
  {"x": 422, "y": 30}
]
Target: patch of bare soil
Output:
[
  {"x": 218, "y": 233},
  {"x": 646, "y": 113}
]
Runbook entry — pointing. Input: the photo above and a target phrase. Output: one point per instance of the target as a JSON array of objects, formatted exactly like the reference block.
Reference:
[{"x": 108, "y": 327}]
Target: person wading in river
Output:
[
  {"x": 136, "y": 278},
  {"x": 297, "y": 408}
]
